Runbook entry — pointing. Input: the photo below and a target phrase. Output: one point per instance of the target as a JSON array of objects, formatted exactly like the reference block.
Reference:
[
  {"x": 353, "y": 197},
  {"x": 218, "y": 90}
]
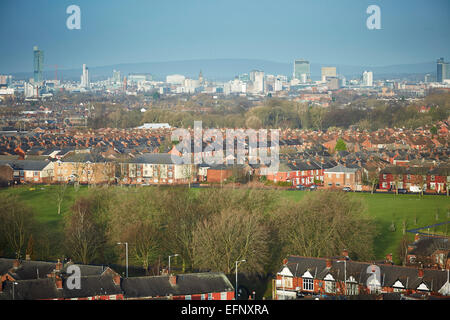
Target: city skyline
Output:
[{"x": 112, "y": 33}]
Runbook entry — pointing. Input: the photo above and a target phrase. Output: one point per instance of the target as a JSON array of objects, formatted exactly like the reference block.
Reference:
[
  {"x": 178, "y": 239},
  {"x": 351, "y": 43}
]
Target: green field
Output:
[{"x": 386, "y": 209}]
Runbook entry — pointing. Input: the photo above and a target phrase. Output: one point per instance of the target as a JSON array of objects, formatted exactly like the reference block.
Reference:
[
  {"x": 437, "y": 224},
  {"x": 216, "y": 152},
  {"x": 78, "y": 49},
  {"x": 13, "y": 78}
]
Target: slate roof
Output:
[
  {"x": 425, "y": 246},
  {"x": 33, "y": 165},
  {"x": 341, "y": 168},
  {"x": 408, "y": 276},
  {"x": 187, "y": 284}
]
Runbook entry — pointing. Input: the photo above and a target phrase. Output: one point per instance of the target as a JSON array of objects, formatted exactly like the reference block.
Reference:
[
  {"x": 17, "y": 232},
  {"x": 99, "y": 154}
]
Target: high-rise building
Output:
[
  {"x": 116, "y": 76},
  {"x": 367, "y": 79},
  {"x": 175, "y": 79},
  {"x": 85, "y": 77},
  {"x": 443, "y": 70},
  {"x": 38, "y": 64},
  {"x": 328, "y": 72},
  {"x": 257, "y": 78},
  {"x": 302, "y": 70}
]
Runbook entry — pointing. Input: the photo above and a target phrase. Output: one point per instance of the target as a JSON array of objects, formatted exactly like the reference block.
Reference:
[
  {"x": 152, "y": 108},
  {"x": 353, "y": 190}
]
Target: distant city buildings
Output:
[
  {"x": 328, "y": 72},
  {"x": 302, "y": 70},
  {"x": 367, "y": 79},
  {"x": 85, "y": 78},
  {"x": 443, "y": 70},
  {"x": 257, "y": 79},
  {"x": 175, "y": 79},
  {"x": 38, "y": 62}
]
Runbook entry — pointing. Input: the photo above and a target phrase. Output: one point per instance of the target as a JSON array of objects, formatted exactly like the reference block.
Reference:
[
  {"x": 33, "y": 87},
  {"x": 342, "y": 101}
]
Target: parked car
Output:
[
  {"x": 313, "y": 187},
  {"x": 300, "y": 187},
  {"x": 346, "y": 189},
  {"x": 402, "y": 191}
]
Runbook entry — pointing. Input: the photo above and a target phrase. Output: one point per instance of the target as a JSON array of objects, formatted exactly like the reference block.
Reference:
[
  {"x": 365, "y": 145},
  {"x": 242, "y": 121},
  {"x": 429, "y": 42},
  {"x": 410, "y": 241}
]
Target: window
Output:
[
  {"x": 330, "y": 286},
  {"x": 384, "y": 176},
  {"x": 432, "y": 178},
  {"x": 352, "y": 289},
  {"x": 308, "y": 284},
  {"x": 347, "y": 176},
  {"x": 286, "y": 282}
]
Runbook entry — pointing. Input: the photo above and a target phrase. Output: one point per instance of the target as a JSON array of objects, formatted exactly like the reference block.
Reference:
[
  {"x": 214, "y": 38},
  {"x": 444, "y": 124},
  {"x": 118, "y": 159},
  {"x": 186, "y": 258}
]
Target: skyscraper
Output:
[
  {"x": 257, "y": 78},
  {"x": 85, "y": 77},
  {"x": 328, "y": 72},
  {"x": 443, "y": 70},
  {"x": 38, "y": 64},
  {"x": 302, "y": 70},
  {"x": 368, "y": 78}
]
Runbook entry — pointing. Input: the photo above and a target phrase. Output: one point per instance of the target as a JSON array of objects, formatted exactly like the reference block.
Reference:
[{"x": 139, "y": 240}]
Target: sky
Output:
[{"x": 133, "y": 31}]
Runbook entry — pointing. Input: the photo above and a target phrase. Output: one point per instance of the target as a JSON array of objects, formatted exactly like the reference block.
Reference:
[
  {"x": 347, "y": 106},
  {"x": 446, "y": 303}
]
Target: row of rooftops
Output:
[
  {"x": 409, "y": 278},
  {"x": 39, "y": 280}
]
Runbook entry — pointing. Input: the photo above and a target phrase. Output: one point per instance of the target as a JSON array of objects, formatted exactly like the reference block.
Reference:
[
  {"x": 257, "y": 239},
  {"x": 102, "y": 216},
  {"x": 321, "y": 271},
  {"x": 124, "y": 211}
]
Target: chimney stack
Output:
[
  {"x": 173, "y": 280},
  {"x": 420, "y": 273},
  {"x": 27, "y": 257},
  {"x": 59, "y": 265},
  {"x": 345, "y": 253},
  {"x": 417, "y": 237},
  {"x": 16, "y": 263},
  {"x": 116, "y": 280},
  {"x": 329, "y": 263},
  {"x": 59, "y": 283},
  {"x": 389, "y": 258}
]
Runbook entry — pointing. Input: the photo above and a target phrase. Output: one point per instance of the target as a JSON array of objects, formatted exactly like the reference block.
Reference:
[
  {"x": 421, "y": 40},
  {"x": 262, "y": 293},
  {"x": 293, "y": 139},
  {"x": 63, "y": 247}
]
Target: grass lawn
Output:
[
  {"x": 384, "y": 208},
  {"x": 390, "y": 208},
  {"x": 43, "y": 200}
]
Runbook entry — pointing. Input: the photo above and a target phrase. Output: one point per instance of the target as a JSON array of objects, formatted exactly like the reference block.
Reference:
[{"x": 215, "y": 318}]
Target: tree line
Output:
[
  {"x": 210, "y": 229},
  {"x": 365, "y": 113}
]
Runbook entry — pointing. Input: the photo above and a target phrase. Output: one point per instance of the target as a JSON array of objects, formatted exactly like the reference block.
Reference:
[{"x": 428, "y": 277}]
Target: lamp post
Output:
[
  {"x": 13, "y": 285},
  {"x": 239, "y": 261},
  {"x": 345, "y": 274},
  {"x": 174, "y": 255},
  {"x": 126, "y": 256}
]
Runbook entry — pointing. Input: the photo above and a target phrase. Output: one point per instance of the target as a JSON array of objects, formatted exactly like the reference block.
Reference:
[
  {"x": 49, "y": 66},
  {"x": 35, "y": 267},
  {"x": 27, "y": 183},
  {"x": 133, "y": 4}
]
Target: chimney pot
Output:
[
  {"x": 27, "y": 257},
  {"x": 16, "y": 263}
]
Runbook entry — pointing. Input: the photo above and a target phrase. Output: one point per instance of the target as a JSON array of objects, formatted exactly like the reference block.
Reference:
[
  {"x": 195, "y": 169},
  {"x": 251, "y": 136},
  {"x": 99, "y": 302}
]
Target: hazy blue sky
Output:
[{"x": 323, "y": 31}]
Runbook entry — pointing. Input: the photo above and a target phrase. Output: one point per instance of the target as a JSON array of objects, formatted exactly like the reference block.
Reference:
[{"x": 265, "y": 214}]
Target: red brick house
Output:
[{"x": 305, "y": 276}]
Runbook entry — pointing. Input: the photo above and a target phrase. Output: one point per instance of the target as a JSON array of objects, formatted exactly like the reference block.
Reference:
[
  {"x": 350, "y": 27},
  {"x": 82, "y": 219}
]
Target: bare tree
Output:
[
  {"x": 323, "y": 223},
  {"x": 60, "y": 194},
  {"x": 84, "y": 235},
  {"x": 16, "y": 223},
  {"x": 228, "y": 237}
]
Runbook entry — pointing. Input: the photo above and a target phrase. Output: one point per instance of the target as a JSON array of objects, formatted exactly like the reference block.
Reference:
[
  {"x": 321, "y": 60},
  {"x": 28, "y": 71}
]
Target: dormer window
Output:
[
  {"x": 330, "y": 284},
  {"x": 398, "y": 286},
  {"x": 308, "y": 281}
]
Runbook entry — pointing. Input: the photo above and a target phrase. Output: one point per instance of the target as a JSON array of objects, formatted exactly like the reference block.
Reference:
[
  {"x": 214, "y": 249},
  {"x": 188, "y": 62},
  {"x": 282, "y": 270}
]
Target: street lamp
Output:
[
  {"x": 239, "y": 261},
  {"x": 345, "y": 274},
  {"x": 126, "y": 256},
  {"x": 174, "y": 255},
  {"x": 13, "y": 285}
]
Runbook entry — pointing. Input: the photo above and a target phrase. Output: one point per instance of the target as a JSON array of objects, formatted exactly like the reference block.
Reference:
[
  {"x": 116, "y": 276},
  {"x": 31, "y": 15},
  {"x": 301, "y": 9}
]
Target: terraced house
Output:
[
  {"x": 156, "y": 168},
  {"x": 322, "y": 277}
]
